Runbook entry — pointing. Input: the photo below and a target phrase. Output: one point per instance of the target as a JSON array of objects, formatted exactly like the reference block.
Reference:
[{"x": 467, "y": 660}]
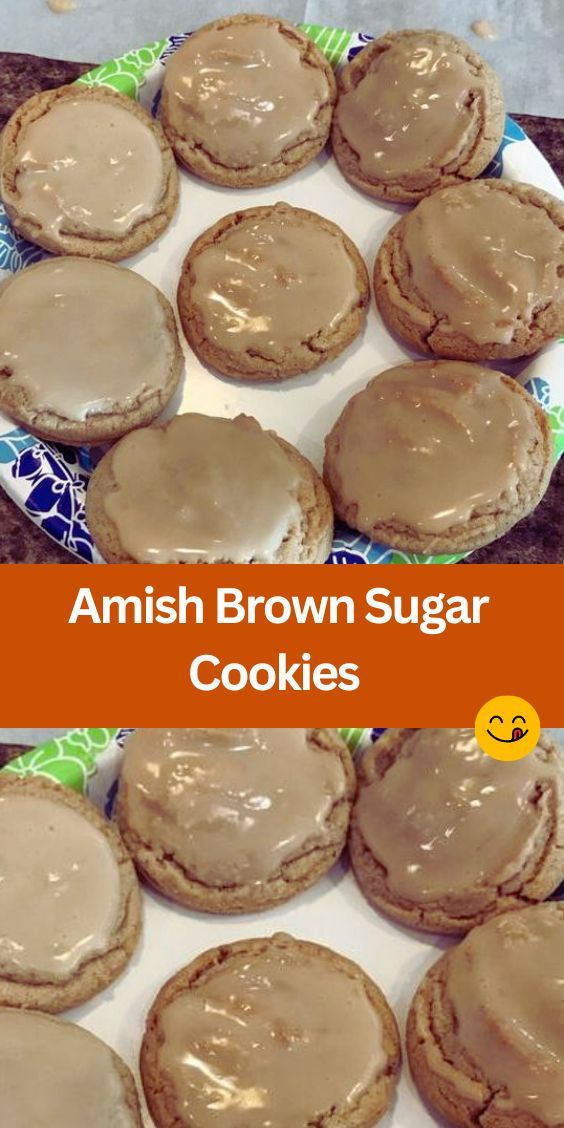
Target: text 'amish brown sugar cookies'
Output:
[
  {"x": 485, "y": 1033},
  {"x": 475, "y": 272},
  {"x": 88, "y": 350},
  {"x": 273, "y": 1031},
  {"x": 54, "y": 1073},
  {"x": 247, "y": 100},
  {"x": 235, "y": 820},
  {"x": 206, "y": 490},
  {"x": 438, "y": 456},
  {"x": 444, "y": 836},
  {"x": 272, "y": 292},
  {"x": 416, "y": 110},
  {"x": 70, "y": 908},
  {"x": 87, "y": 171}
]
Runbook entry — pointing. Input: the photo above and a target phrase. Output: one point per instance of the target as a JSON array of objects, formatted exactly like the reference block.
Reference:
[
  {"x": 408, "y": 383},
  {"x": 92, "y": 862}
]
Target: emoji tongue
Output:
[{"x": 516, "y": 734}]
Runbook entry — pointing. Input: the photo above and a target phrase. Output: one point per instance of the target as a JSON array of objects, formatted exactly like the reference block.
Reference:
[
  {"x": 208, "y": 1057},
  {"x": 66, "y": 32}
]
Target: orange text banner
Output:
[{"x": 285, "y": 645}]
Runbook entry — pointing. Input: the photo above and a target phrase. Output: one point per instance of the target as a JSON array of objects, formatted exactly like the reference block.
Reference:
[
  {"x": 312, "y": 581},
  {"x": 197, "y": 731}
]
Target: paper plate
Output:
[
  {"x": 334, "y": 913},
  {"x": 48, "y": 481}
]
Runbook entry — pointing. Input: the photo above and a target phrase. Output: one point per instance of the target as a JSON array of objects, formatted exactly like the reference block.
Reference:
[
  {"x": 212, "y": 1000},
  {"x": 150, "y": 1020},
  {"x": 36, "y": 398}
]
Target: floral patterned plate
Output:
[{"x": 49, "y": 481}]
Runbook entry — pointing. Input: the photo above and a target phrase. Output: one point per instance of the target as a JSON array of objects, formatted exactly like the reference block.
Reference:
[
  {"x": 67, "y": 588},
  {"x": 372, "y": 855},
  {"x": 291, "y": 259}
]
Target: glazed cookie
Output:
[
  {"x": 86, "y": 171},
  {"x": 416, "y": 110},
  {"x": 235, "y": 820},
  {"x": 56, "y": 1073},
  {"x": 485, "y": 1033},
  {"x": 247, "y": 100},
  {"x": 201, "y": 490},
  {"x": 88, "y": 350},
  {"x": 475, "y": 272},
  {"x": 272, "y": 292},
  {"x": 438, "y": 456},
  {"x": 69, "y": 899},
  {"x": 443, "y": 836},
  {"x": 290, "y": 1032}
]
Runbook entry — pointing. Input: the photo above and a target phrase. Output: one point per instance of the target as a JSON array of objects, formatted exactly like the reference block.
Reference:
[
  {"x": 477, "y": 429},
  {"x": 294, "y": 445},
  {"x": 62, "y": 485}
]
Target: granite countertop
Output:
[{"x": 539, "y": 539}]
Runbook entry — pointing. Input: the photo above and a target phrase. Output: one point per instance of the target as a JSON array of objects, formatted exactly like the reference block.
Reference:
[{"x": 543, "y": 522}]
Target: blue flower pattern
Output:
[
  {"x": 15, "y": 252},
  {"x": 540, "y": 389}
]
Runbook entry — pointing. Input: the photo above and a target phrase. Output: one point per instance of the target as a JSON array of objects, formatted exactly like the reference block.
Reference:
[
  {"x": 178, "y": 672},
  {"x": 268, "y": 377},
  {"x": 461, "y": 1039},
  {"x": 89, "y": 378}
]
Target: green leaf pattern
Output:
[
  {"x": 128, "y": 73},
  {"x": 556, "y": 416}
]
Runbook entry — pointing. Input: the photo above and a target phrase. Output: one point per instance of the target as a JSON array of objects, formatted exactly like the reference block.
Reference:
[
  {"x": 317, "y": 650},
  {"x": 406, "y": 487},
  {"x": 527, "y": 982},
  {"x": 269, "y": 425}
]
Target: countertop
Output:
[
  {"x": 539, "y": 539},
  {"x": 526, "y": 50}
]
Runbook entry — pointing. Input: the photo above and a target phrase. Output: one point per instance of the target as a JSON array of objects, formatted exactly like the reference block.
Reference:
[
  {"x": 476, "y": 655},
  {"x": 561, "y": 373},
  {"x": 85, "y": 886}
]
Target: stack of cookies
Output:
[
  {"x": 276, "y": 1030},
  {"x": 434, "y": 456}
]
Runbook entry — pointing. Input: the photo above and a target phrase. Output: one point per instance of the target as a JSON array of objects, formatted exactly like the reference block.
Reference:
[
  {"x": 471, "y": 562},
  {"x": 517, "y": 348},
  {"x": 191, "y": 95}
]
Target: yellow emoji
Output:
[{"x": 507, "y": 728}]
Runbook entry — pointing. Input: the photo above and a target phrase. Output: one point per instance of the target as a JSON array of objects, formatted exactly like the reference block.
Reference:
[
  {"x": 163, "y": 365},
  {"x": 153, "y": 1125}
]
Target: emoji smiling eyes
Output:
[{"x": 500, "y": 719}]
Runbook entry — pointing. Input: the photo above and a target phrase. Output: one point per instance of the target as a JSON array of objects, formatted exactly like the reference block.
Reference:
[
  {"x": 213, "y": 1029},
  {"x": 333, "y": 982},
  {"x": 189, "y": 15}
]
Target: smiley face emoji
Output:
[{"x": 507, "y": 728}]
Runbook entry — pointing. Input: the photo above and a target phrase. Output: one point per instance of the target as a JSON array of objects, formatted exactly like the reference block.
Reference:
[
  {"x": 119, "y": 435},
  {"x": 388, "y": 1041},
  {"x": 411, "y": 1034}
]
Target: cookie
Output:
[
  {"x": 290, "y": 1032},
  {"x": 443, "y": 836},
  {"x": 272, "y": 292},
  {"x": 438, "y": 457},
  {"x": 56, "y": 1073},
  {"x": 416, "y": 111},
  {"x": 86, "y": 171},
  {"x": 247, "y": 100},
  {"x": 88, "y": 350},
  {"x": 485, "y": 1033},
  {"x": 202, "y": 490},
  {"x": 475, "y": 272},
  {"x": 236, "y": 820},
  {"x": 69, "y": 899}
]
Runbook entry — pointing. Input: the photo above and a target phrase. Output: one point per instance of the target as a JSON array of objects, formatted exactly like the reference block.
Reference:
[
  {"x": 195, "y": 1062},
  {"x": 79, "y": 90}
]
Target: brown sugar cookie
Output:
[
  {"x": 443, "y": 836},
  {"x": 69, "y": 898},
  {"x": 87, "y": 171},
  {"x": 416, "y": 111},
  {"x": 294, "y": 1025},
  {"x": 475, "y": 272},
  {"x": 485, "y": 1033},
  {"x": 236, "y": 820},
  {"x": 247, "y": 100},
  {"x": 202, "y": 490},
  {"x": 57, "y": 1073},
  {"x": 88, "y": 350},
  {"x": 272, "y": 292},
  {"x": 438, "y": 456}
]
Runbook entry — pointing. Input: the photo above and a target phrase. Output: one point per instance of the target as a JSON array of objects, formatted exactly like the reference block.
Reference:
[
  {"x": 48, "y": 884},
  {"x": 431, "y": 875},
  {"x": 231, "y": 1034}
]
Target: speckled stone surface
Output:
[
  {"x": 9, "y": 752},
  {"x": 537, "y": 540}
]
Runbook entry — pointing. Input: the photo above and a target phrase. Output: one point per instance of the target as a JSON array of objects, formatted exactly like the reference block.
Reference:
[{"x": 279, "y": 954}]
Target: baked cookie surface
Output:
[
  {"x": 411, "y": 463},
  {"x": 496, "y": 828},
  {"x": 485, "y": 1035},
  {"x": 294, "y": 1023},
  {"x": 236, "y": 819},
  {"x": 247, "y": 101},
  {"x": 475, "y": 272},
  {"x": 272, "y": 292},
  {"x": 206, "y": 490},
  {"x": 56, "y": 1073},
  {"x": 69, "y": 898},
  {"x": 87, "y": 171},
  {"x": 416, "y": 110},
  {"x": 89, "y": 350}
]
